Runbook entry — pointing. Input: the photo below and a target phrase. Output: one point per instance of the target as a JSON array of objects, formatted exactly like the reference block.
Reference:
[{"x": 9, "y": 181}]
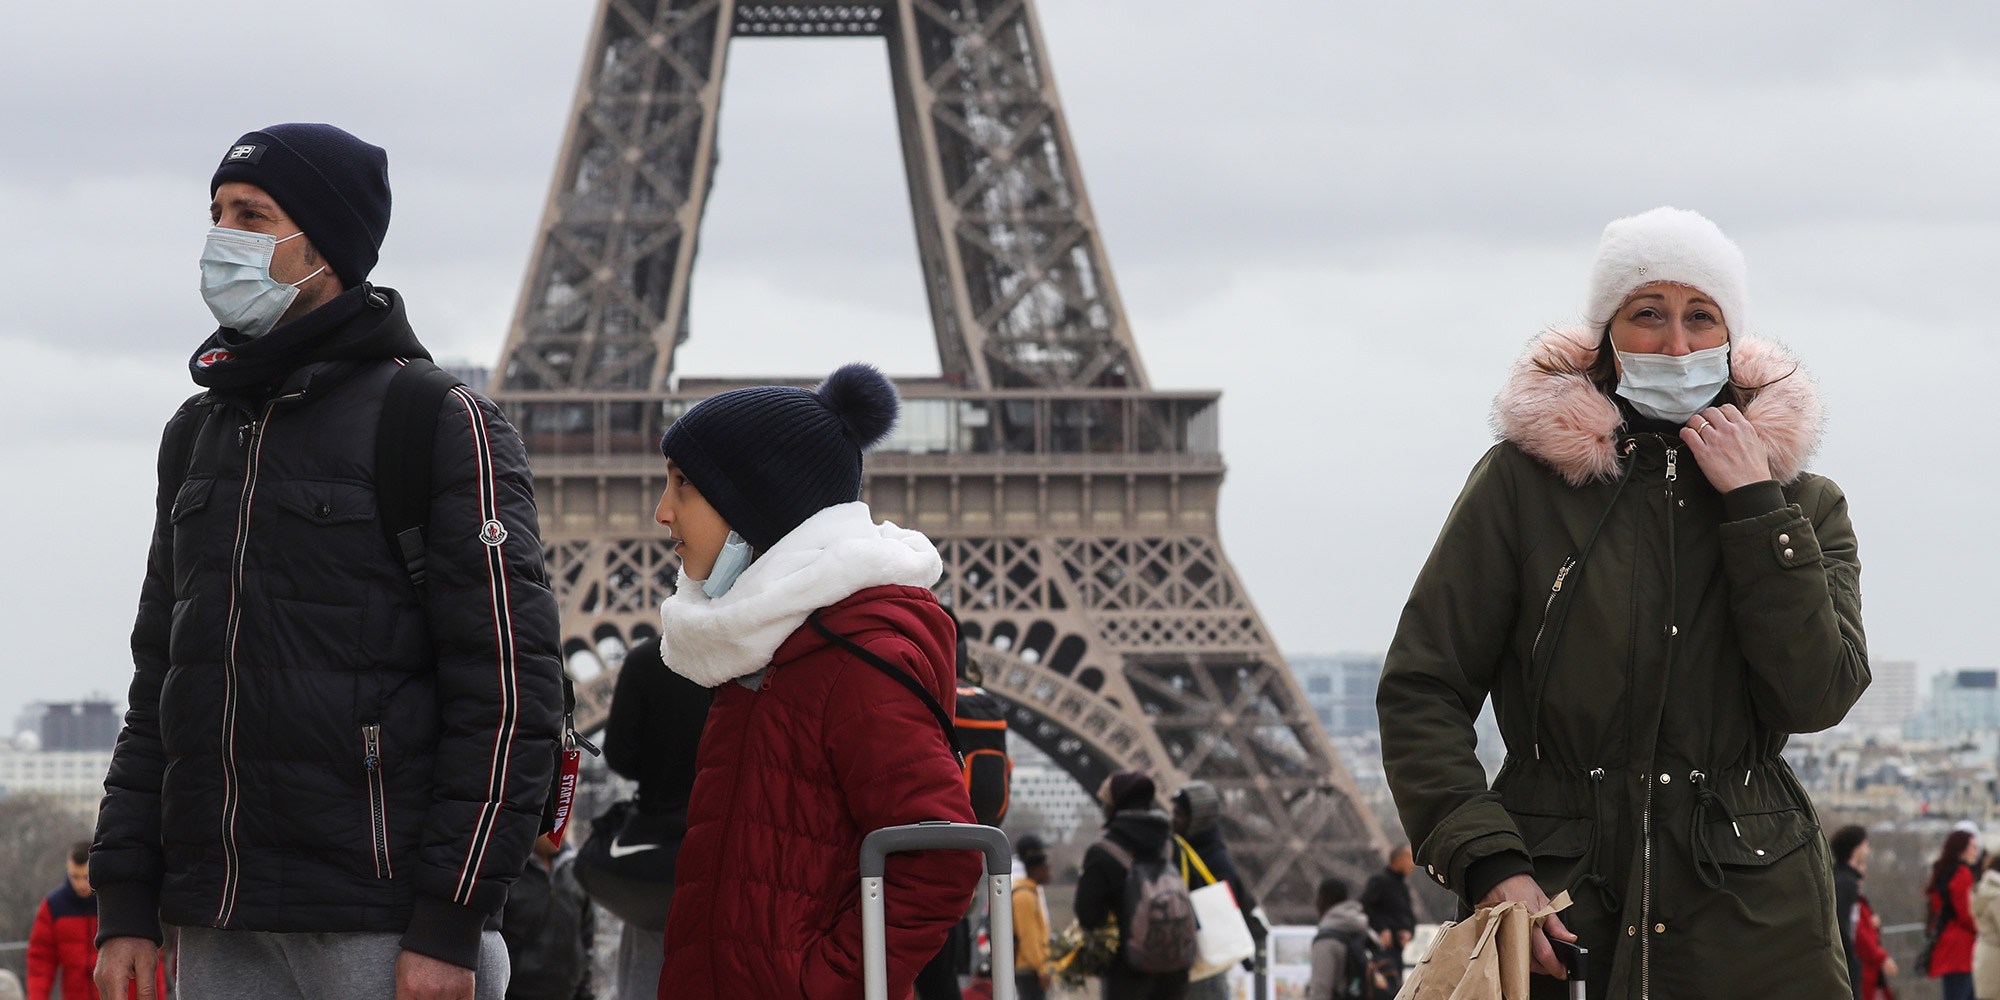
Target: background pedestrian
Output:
[{"x": 1948, "y": 896}]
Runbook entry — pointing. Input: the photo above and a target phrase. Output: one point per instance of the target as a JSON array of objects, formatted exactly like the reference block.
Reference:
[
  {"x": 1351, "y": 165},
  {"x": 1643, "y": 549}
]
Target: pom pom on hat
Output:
[
  {"x": 1668, "y": 244},
  {"x": 864, "y": 402}
]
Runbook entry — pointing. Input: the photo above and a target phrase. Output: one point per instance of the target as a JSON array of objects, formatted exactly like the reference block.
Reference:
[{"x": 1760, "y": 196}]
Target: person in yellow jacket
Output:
[{"x": 1033, "y": 970}]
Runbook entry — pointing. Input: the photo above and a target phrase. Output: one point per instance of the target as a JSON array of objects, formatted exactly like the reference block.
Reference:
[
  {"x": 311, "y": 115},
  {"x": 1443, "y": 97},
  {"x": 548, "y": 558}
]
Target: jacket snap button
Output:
[
  {"x": 1788, "y": 553},
  {"x": 1784, "y": 539},
  {"x": 1630, "y": 931},
  {"x": 324, "y": 510},
  {"x": 1666, "y": 779},
  {"x": 1760, "y": 852},
  {"x": 1659, "y": 928}
]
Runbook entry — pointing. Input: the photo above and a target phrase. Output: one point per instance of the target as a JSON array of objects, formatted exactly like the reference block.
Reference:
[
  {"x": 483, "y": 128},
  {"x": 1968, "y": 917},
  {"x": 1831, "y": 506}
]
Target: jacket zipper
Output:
[
  {"x": 251, "y": 436},
  {"x": 1535, "y": 649},
  {"x": 1646, "y": 867},
  {"x": 378, "y": 799}
]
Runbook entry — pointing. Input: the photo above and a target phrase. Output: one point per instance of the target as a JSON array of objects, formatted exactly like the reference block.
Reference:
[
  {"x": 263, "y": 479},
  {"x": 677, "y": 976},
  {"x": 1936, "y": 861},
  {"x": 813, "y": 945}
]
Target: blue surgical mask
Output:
[
  {"x": 735, "y": 558},
  {"x": 237, "y": 284},
  {"x": 1673, "y": 388}
]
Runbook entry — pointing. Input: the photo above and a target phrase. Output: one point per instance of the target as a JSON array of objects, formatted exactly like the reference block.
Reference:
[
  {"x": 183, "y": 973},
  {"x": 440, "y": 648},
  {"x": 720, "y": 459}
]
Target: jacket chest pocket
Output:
[
  {"x": 190, "y": 535},
  {"x": 325, "y": 502}
]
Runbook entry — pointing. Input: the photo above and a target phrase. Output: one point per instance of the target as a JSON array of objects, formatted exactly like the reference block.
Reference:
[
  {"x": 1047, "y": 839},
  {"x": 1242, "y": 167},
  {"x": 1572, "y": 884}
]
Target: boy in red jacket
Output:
[
  {"x": 797, "y": 608},
  {"x": 64, "y": 939},
  {"x": 64, "y": 935}
]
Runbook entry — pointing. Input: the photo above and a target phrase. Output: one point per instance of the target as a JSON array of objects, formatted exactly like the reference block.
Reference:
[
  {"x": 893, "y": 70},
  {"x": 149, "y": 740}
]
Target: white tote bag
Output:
[{"x": 1221, "y": 936}]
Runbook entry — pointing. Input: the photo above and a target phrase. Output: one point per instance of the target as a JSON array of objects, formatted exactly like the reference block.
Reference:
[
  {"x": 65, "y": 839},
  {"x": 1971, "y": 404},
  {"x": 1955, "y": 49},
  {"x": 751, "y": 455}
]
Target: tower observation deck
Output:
[{"x": 1075, "y": 506}]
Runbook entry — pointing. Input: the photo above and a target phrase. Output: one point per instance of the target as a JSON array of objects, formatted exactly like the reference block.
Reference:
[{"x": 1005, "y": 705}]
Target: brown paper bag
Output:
[{"x": 1484, "y": 957}]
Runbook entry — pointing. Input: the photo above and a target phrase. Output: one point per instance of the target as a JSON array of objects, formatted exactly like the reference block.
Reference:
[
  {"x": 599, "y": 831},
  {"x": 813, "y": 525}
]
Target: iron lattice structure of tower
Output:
[{"x": 1074, "y": 504}]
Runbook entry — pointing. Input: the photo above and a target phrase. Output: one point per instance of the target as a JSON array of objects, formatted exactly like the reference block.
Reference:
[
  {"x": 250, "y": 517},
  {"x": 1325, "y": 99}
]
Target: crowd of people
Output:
[{"x": 348, "y": 758}]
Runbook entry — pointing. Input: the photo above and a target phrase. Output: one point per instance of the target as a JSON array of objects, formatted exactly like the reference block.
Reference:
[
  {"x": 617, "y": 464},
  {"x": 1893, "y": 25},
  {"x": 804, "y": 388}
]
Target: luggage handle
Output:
[{"x": 930, "y": 836}]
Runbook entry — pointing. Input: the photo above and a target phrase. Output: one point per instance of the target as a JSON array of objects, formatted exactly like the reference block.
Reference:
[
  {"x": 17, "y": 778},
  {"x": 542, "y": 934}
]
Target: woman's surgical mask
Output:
[
  {"x": 236, "y": 280},
  {"x": 1673, "y": 388},
  {"x": 729, "y": 565}
]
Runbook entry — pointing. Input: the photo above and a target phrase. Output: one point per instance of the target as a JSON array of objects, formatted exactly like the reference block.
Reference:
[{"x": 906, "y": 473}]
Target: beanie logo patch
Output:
[
  {"x": 493, "y": 533},
  {"x": 249, "y": 152}
]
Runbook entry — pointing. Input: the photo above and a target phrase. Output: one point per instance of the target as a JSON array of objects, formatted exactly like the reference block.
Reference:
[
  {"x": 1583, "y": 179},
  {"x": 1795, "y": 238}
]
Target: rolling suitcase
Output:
[{"x": 998, "y": 887}]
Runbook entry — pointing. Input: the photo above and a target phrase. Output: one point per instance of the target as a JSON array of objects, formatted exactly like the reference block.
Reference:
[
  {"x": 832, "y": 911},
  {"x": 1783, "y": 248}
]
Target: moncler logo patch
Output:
[
  {"x": 493, "y": 533},
  {"x": 212, "y": 357},
  {"x": 248, "y": 152}
]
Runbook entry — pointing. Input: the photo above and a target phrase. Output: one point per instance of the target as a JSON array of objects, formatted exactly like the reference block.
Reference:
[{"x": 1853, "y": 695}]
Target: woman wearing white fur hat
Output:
[{"x": 1654, "y": 594}]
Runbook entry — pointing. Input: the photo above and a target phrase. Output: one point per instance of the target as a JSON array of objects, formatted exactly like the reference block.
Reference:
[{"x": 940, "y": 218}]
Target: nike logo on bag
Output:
[{"x": 618, "y": 852}]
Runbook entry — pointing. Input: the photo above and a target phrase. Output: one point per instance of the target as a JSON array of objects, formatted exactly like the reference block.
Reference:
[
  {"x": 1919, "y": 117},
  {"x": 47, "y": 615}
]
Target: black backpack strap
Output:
[
  {"x": 403, "y": 443},
  {"x": 899, "y": 676}
]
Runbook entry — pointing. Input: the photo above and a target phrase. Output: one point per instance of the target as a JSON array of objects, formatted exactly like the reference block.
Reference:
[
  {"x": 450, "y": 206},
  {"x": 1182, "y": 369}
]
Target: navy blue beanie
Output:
[
  {"x": 767, "y": 458},
  {"x": 335, "y": 186}
]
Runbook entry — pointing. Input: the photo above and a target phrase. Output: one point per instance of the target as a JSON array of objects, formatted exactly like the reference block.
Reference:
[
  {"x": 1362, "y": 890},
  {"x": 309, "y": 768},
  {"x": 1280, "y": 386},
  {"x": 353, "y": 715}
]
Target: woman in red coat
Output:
[
  {"x": 1950, "y": 897},
  {"x": 796, "y": 607}
]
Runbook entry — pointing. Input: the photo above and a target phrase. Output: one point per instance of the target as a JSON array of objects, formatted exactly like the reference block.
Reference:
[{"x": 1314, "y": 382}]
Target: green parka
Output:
[{"x": 1648, "y": 646}]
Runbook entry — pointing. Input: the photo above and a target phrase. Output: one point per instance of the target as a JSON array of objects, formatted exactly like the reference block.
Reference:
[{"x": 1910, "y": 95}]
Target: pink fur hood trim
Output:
[{"x": 1568, "y": 425}]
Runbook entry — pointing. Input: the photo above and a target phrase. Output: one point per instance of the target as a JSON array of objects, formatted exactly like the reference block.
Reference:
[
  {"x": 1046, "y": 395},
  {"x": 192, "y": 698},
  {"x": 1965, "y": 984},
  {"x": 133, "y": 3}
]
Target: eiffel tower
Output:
[{"x": 1075, "y": 504}]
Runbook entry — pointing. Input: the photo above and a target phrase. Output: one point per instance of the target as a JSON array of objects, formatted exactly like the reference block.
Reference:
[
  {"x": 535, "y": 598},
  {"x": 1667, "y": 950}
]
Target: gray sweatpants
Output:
[{"x": 261, "y": 965}]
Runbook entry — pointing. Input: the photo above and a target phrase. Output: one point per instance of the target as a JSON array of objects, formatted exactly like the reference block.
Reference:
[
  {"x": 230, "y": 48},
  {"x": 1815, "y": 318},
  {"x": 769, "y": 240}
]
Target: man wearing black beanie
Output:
[{"x": 337, "y": 752}]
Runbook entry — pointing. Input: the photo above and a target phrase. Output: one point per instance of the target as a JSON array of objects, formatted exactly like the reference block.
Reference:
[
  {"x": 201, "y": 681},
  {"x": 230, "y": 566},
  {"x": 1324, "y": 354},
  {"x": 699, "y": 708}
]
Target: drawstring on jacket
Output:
[
  {"x": 1705, "y": 860},
  {"x": 1540, "y": 674},
  {"x": 1592, "y": 875}
]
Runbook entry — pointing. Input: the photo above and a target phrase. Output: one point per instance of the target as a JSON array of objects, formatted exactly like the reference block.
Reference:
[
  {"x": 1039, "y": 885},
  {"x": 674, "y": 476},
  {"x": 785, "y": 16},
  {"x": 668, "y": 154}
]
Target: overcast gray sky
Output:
[{"x": 1348, "y": 217}]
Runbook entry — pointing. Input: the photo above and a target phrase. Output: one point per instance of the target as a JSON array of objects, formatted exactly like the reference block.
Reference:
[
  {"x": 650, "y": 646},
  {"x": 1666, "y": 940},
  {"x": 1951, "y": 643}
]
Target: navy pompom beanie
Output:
[
  {"x": 335, "y": 186},
  {"x": 770, "y": 457}
]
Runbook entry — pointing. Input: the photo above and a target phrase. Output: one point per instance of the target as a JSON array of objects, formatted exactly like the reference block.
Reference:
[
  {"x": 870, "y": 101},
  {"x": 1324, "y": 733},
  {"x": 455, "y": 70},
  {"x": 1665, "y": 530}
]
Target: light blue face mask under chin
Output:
[
  {"x": 730, "y": 564},
  {"x": 1673, "y": 388}
]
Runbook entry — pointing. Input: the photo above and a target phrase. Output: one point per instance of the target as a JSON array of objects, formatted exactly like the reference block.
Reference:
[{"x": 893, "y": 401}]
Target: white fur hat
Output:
[{"x": 1667, "y": 244}]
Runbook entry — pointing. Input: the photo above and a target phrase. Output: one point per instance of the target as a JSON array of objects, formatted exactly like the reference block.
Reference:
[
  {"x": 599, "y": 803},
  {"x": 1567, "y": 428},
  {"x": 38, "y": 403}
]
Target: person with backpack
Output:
[
  {"x": 833, "y": 670},
  {"x": 1348, "y": 960},
  {"x": 339, "y": 745},
  {"x": 1131, "y": 876}
]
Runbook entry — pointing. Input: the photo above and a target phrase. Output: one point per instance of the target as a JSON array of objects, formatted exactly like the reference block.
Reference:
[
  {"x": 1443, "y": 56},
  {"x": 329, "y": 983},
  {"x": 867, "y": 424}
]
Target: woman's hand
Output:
[
  {"x": 1522, "y": 889},
  {"x": 1729, "y": 449}
]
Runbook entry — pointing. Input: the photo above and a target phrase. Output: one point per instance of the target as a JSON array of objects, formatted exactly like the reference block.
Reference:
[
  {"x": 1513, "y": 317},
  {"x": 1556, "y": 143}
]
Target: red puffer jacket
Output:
[
  {"x": 790, "y": 778},
  {"x": 64, "y": 940}
]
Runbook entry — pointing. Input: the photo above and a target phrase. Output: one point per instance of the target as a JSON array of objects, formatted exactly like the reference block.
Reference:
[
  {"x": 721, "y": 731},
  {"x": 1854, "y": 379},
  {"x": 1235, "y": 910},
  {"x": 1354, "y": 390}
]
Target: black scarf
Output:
[{"x": 364, "y": 323}]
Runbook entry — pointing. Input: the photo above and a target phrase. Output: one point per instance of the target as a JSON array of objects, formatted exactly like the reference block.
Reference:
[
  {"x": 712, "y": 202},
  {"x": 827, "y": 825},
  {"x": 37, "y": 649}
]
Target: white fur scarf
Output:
[{"x": 835, "y": 554}]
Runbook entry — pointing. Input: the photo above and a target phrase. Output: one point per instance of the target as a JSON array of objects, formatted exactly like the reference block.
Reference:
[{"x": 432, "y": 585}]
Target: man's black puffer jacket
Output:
[{"x": 311, "y": 744}]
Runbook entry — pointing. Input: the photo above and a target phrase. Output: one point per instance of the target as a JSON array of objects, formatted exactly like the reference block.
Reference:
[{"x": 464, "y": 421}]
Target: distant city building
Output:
[
  {"x": 1891, "y": 699},
  {"x": 74, "y": 777},
  {"x": 82, "y": 725},
  {"x": 1341, "y": 690},
  {"x": 476, "y": 377},
  {"x": 1964, "y": 704}
]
